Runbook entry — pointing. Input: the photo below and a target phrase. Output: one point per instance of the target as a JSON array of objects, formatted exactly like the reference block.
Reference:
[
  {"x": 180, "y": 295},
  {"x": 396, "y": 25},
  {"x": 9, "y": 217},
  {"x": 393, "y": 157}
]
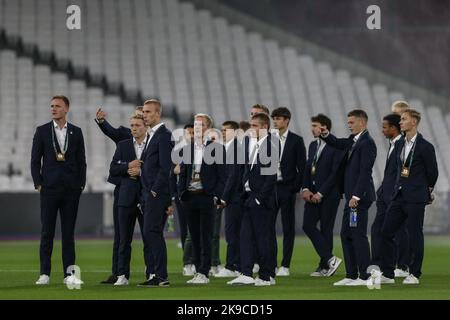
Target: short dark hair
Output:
[
  {"x": 189, "y": 126},
  {"x": 358, "y": 113},
  {"x": 233, "y": 124},
  {"x": 262, "y": 107},
  {"x": 323, "y": 120},
  {"x": 244, "y": 125},
  {"x": 393, "y": 120},
  {"x": 63, "y": 98},
  {"x": 281, "y": 112},
  {"x": 262, "y": 117}
]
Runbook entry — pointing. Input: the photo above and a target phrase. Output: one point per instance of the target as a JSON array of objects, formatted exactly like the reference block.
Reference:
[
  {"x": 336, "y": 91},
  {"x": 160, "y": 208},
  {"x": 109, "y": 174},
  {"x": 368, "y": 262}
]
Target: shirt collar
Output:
[
  {"x": 204, "y": 143},
  {"x": 284, "y": 135},
  {"x": 229, "y": 143},
  {"x": 155, "y": 127},
  {"x": 412, "y": 140},
  {"x": 260, "y": 141},
  {"x": 358, "y": 135},
  {"x": 143, "y": 141},
  {"x": 393, "y": 141},
  {"x": 55, "y": 125}
]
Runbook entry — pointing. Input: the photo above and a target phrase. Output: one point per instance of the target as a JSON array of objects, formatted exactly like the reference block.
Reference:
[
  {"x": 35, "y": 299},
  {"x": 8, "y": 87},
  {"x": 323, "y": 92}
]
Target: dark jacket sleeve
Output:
[
  {"x": 269, "y": 185},
  {"x": 301, "y": 163},
  {"x": 37, "y": 151},
  {"x": 115, "y": 134},
  {"x": 368, "y": 156},
  {"x": 165, "y": 162},
  {"x": 118, "y": 168},
  {"x": 81, "y": 160},
  {"x": 431, "y": 166},
  {"x": 307, "y": 170},
  {"x": 173, "y": 182},
  {"x": 332, "y": 178},
  {"x": 181, "y": 186},
  {"x": 221, "y": 174},
  {"x": 338, "y": 143},
  {"x": 232, "y": 174}
]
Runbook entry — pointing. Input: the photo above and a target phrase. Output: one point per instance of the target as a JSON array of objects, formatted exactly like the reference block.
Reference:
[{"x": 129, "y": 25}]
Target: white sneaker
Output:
[
  {"x": 342, "y": 282},
  {"x": 283, "y": 272},
  {"x": 43, "y": 280},
  {"x": 399, "y": 273},
  {"x": 262, "y": 283},
  {"x": 411, "y": 279},
  {"x": 357, "y": 282},
  {"x": 226, "y": 273},
  {"x": 151, "y": 276},
  {"x": 189, "y": 270},
  {"x": 272, "y": 280},
  {"x": 121, "y": 281},
  {"x": 333, "y": 265},
  {"x": 242, "y": 280},
  {"x": 72, "y": 280},
  {"x": 199, "y": 278},
  {"x": 319, "y": 273},
  {"x": 255, "y": 268},
  {"x": 386, "y": 280},
  {"x": 215, "y": 270}
]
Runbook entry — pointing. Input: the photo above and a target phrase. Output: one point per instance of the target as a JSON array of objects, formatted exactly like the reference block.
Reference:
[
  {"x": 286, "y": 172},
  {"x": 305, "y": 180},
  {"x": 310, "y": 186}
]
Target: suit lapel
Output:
[
  {"x": 132, "y": 149},
  {"x": 287, "y": 146},
  {"x": 324, "y": 151},
  {"x": 357, "y": 144},
  {"x": 398, "y": 151},
  {"x": 69, "y": 135}
]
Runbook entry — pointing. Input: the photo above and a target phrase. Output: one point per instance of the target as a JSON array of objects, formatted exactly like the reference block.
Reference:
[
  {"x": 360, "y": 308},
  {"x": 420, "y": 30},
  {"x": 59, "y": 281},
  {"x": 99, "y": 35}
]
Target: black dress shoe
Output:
[
  {"x": 111, "y": 280},
  {"x": 154, "y": 282}
]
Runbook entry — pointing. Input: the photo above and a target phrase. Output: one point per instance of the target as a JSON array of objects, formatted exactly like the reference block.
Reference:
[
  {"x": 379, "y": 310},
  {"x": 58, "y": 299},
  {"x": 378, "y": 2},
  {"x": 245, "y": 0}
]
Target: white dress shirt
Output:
[
  {"x": 60, "y": 135},
  {"x": 228, "y": 145},
  {"x": 256, "y": 147},
  {"x": 355, "y": 139},
  {"x": 408, "y": 146},
  {"x": 199, "y": 150},
  {"x": 139, "y": 148},
  {"x": 321, "y": 145},
  {"x": 392, "y": 144},
  {"x": 151, "y": 131},
  {"x": 282, "y": 138}
]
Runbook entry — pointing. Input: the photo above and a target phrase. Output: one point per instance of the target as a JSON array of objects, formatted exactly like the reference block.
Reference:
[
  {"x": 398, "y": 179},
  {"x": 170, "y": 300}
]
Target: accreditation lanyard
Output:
[
  {"x": 316, "y": 156},
  {"x": 66, "y": 142},
  {"x": 410, "y": 156}
]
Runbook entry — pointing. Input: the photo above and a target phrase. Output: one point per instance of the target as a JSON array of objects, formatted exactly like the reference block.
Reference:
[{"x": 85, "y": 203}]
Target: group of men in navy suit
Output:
[
  {"x": 251, "y": 177},
  {"x": 140, "y": 168}
]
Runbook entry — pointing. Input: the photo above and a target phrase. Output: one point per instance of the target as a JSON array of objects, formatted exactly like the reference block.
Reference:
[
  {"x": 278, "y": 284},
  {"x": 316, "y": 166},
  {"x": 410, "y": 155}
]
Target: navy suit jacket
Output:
[
  {"x": 157, "y": 162},
  {"x": 212, "y": 175},
  {"x": 355, "y": 178},
  {"x": 173, "y": 181},
  {"x": 423, "y": 172},
  {"x": 116, "y": 135},
  {"x": 129, "y": 191},
  {"x": 293, "y": 162},
  {"x": 263, "y": 186},
  {"x": 235, "y": 159},
  {"x": 51, "y": 173},
  {"x": 327, "y": 167},
  {"x": 386, "y": 189}
]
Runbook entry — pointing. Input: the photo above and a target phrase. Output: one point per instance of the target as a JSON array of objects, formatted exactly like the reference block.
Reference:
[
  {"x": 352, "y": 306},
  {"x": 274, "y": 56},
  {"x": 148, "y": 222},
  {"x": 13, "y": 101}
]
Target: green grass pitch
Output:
[{"x": 19, "y": 265}]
